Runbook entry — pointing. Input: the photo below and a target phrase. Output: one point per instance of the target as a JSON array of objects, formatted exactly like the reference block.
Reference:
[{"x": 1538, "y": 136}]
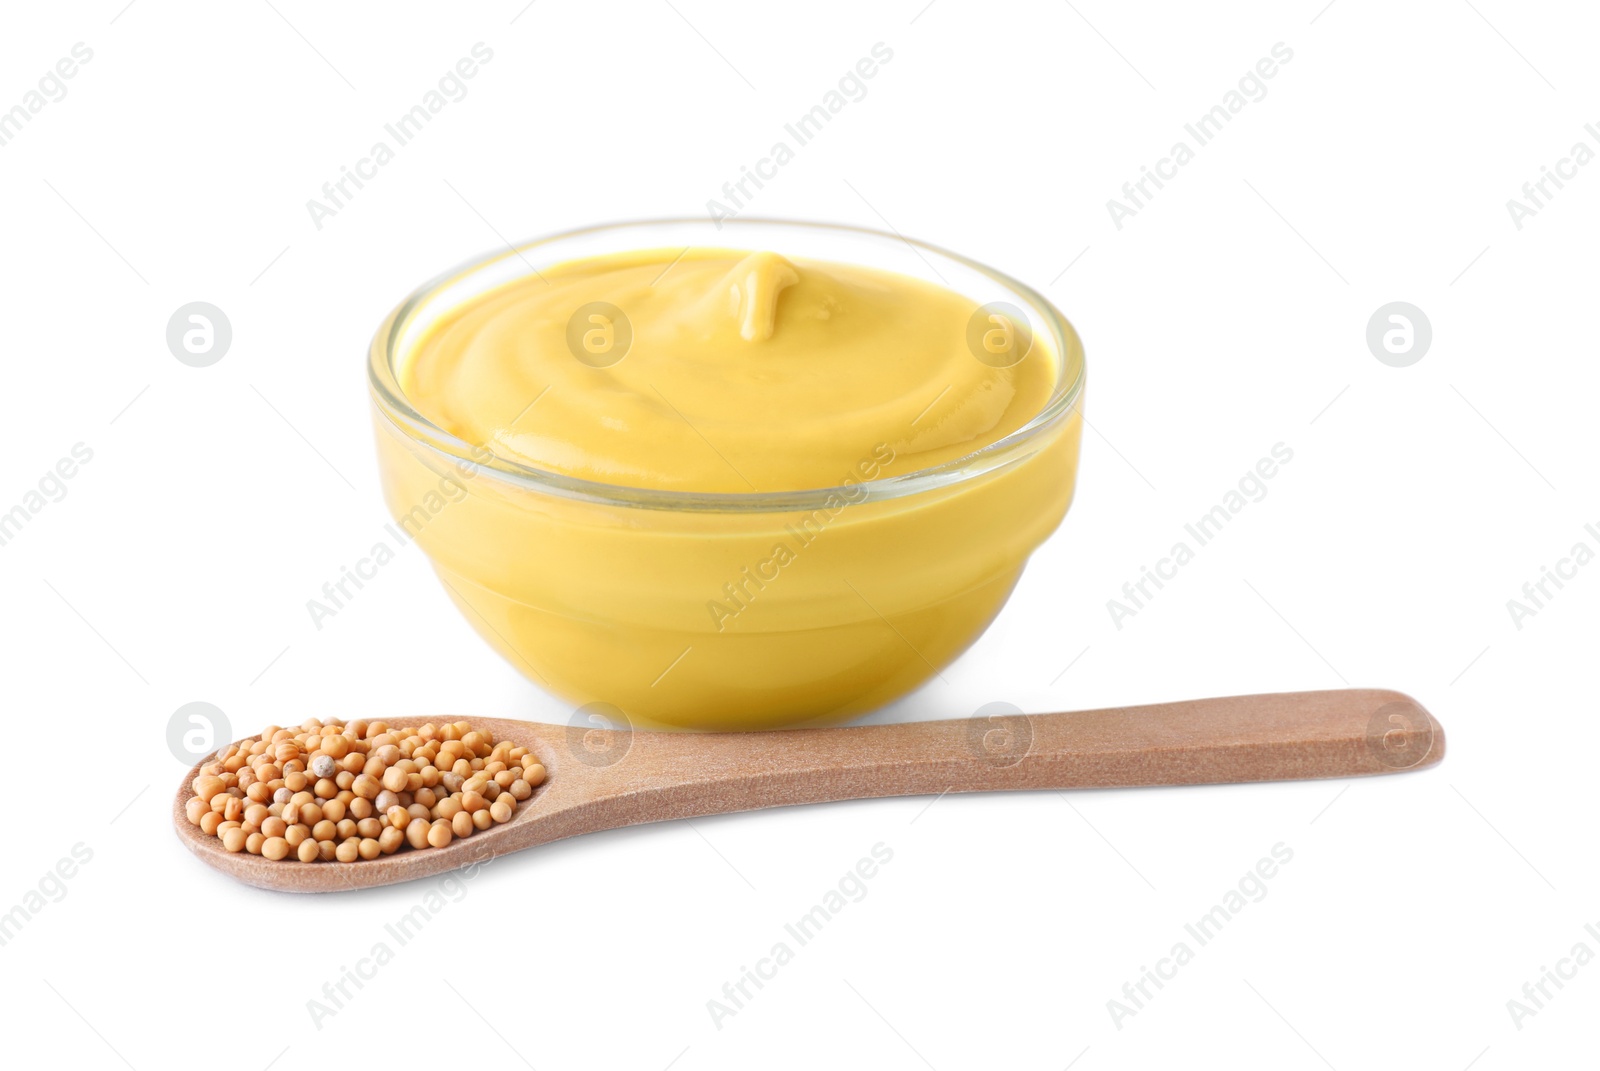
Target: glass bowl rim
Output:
[{"x": 392, "y": 403}]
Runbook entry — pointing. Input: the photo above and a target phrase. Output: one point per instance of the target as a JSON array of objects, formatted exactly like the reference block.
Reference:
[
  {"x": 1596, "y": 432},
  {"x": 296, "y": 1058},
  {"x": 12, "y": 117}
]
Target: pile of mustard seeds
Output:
[{"x": 329, "y": 791}]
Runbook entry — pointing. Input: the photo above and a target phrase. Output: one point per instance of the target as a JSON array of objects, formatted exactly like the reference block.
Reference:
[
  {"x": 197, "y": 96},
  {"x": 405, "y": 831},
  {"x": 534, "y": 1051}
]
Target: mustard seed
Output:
[{"x": 336, "y": 792}]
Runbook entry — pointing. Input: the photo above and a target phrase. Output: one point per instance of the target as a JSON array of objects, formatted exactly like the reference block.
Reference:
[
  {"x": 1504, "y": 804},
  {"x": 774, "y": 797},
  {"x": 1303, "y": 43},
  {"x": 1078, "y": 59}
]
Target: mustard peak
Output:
[{"x": 753, "y": 288}]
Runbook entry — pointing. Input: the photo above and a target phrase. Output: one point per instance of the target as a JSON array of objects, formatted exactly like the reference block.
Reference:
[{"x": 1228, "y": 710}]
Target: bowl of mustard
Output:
[{"x": 737, "y": 475}]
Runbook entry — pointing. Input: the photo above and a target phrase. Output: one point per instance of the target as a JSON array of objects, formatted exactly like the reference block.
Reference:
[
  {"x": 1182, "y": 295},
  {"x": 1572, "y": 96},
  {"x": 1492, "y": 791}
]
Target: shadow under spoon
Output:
[{"x": 604, "y": 780}]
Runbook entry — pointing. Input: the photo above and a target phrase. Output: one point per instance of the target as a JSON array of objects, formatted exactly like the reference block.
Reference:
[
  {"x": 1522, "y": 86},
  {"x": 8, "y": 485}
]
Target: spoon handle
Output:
[{"x": 1286, "y": 736}]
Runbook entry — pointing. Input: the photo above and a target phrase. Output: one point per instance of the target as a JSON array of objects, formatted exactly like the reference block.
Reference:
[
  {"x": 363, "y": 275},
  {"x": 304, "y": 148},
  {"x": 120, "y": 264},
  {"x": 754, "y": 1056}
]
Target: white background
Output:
[{"x": 1227, "y": 316}]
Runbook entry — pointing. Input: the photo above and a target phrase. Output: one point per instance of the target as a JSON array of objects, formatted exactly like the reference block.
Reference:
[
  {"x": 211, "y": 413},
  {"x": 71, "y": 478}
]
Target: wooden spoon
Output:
[{"x": 602, "y": 780}]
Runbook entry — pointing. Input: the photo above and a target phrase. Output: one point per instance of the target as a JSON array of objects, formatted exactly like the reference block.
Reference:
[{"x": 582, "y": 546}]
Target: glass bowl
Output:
[{"x": 834, "y": 601}]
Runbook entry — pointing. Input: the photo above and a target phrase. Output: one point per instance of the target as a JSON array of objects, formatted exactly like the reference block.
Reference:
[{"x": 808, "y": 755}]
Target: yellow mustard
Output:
[
  {"x": 738, "y": 376},
  {"x": 723, "y": 372}
]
